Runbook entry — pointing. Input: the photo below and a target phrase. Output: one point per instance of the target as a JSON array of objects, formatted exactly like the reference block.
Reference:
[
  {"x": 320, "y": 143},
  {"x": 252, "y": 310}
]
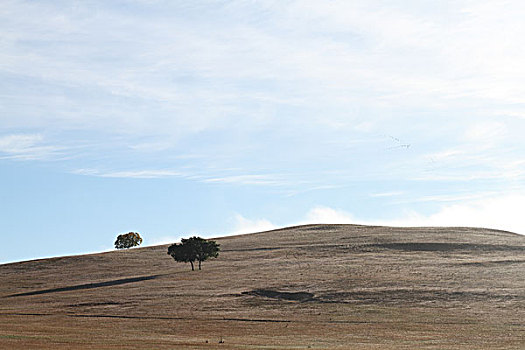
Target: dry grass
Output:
[{"x": 316, "y": 286}]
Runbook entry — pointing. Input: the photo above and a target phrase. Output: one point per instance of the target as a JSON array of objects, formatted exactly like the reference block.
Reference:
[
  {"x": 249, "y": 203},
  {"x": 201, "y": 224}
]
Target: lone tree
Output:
[
  {"x": 128, "y": 240},
  {"x": 194, "y": 249}
]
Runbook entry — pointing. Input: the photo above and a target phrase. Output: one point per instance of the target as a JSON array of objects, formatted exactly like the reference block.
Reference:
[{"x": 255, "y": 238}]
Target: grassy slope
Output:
[{"x": 316, "y": 286}]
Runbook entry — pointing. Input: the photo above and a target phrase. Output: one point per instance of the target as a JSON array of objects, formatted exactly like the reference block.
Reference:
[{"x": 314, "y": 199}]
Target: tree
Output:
[
  {"x": 128, "y": 240},
  {"x": 182, "y": 252},
  {"x": 205, "y": 249},
  {"x": 194, "y": 249}
]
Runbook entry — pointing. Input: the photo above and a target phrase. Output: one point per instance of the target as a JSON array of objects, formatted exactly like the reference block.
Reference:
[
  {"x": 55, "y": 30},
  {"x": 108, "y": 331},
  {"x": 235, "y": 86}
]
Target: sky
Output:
[{"x": 212, "y": 118}]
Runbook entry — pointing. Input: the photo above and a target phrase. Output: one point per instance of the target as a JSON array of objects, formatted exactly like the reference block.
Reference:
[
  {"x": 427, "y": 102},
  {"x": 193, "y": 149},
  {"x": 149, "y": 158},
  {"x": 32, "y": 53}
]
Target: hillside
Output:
[{"x": 314, "y": 286}]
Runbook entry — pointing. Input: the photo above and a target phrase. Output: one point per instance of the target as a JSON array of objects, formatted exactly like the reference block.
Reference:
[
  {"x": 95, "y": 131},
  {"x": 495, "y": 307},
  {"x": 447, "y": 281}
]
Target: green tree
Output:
[
  {"x": 194, "y": 249},
  {"x": 128, "y": 240},
  {"x": 181, "y": 252},
  {"x": 205, "y": 249}
]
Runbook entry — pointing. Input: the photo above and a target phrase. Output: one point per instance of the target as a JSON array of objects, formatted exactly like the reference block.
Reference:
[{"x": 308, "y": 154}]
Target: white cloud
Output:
[
  {"x": 302, "y": 78},
  {"x": 26, "y": 147},
  {"x": 326, "y": 215},
  {"x": 497, "y": 212},
  {"x": 386, "y": 194},
  {"x": 445, "y": 155},
  {"x": 251, "y": 179},
  {"x": 292, "y": 193},
  {"x": 513, "y": 113},
  {"x": 395, "y": 53},
  {"x": 448, "y": 198},
  {"x": 19, "y": 143},
  {"x": 137, "y": 174},
  {"x": 400, "y": 54},
  {"x": 486, "y": 132},
  {"x": 151, "y": 146},
  {"x": 244, "y": 225},
  {"x": 317, "y": 215},
  {"x": 208, "y": 177}
]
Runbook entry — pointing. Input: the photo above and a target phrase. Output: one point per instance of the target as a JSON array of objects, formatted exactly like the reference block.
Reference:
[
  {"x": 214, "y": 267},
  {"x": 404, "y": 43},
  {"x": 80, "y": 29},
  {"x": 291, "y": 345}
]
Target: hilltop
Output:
[{"x": 313, "y": 286}]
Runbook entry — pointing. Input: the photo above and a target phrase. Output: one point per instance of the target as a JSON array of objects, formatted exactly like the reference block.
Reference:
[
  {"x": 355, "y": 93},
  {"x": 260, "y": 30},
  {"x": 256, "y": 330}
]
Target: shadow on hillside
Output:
[
  {"x": 444, "y": 247},
  {"x": 398, "y": 296},
  {"x": 87, "y": 286},
  {"x": 274, "y": 294}
]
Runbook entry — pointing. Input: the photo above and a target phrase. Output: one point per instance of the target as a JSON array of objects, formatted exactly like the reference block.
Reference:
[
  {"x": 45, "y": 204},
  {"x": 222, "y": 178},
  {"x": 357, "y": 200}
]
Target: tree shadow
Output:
[{"x": 87, "y": 286}]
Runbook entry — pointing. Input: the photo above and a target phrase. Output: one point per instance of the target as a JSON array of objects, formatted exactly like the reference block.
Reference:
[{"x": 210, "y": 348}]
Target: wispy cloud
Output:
[
  {"x": 398, "y": 55},
  {"x": 248, "y": 180},
  {"x": 138, "y": 174},
  {"x": 447, "y": 198},
  {"x": 386, "y": 194},
  {"x": 306, "y": 188},
  {"x": 206, "y": 177},
  {"x": 27, "y": 147},
  {"x": 299, "y": 95}
]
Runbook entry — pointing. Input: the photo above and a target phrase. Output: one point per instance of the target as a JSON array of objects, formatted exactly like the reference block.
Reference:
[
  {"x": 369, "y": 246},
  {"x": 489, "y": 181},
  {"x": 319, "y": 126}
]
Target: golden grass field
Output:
[{"x": 305, "y": 287}]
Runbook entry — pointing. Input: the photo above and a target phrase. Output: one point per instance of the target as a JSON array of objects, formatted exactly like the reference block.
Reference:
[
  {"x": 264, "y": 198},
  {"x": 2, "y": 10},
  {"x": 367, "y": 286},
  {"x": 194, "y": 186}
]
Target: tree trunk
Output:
[
  {"x": 199, "y": 264},
  {"x": 192, "y": 268}
]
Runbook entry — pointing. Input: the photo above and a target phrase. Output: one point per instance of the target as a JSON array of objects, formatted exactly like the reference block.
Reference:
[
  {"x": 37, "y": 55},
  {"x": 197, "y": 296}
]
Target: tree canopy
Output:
[
  {"x": 194, "y": 249},
  {"x": 128, "y": 240}
]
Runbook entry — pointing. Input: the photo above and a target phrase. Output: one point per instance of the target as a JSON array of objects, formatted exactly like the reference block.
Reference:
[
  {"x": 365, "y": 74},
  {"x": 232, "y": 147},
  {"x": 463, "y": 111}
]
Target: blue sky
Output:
[{"x": 174, "y": 118}]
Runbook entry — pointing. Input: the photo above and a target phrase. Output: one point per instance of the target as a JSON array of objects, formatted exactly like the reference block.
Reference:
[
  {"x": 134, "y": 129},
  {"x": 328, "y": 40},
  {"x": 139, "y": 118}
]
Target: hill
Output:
[{"x": 314, "y": 286}]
